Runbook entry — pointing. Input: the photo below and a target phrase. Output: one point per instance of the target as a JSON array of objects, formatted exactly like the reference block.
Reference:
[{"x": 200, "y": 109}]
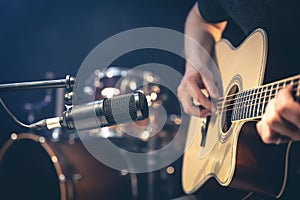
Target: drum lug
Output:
[
  {"x": 14, "y": 136},
  {"x": 62, "y": 178},
  {"x": 77, "y": 177},
  {"x": 42, "y": 140},
  {"x": 124, "y": 172}
]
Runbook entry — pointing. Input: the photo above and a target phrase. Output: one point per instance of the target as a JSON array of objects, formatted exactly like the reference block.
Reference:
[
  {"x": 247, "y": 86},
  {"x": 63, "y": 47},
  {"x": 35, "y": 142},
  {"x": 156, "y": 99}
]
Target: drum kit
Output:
[{"x": 58, "y": 166}]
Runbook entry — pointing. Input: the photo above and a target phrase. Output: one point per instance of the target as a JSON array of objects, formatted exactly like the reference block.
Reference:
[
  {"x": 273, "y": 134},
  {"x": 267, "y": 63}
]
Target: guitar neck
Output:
[{"x": 251, "y": 104}]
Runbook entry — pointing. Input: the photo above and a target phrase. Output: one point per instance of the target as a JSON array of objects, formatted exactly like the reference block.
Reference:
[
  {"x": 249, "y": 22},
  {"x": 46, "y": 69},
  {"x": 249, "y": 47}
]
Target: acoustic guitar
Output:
[{"x": 226, "y": 146}]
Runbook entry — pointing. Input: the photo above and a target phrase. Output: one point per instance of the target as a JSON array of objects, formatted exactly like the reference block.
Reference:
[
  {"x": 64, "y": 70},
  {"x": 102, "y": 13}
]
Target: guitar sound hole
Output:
[{"x": 227, "y": 108}]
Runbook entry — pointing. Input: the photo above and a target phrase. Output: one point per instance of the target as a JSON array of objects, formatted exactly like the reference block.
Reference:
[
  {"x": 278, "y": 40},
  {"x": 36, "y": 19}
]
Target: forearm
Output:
[
  {"x": 200, "y": 38},
  {"x": 202, "y": 32}
]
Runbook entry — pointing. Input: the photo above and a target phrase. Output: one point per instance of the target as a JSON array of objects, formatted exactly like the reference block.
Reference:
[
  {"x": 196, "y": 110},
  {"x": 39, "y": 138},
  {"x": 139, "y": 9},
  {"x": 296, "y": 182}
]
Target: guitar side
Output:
[{"x": 241, "y": 68}]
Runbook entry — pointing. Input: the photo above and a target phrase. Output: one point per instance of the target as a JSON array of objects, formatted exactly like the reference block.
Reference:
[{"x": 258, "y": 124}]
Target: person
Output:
[{"x": 209, "y": 21}]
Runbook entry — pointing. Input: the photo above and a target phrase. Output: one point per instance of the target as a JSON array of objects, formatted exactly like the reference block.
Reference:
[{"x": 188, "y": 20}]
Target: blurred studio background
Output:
[{"x": 49, "y": 39}]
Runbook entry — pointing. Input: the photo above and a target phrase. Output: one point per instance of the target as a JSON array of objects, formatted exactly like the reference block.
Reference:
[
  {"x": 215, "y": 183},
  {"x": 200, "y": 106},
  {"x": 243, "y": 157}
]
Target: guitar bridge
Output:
[{"x": 204, "y": 127}]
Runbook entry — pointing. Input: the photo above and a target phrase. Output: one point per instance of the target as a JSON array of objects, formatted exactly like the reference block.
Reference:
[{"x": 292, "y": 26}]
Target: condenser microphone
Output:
[{"x": 97, "y": 114}]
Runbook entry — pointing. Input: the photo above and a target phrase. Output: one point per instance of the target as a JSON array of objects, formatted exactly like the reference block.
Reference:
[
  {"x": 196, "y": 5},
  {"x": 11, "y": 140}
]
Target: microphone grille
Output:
[{"x": 125, "y": 108}]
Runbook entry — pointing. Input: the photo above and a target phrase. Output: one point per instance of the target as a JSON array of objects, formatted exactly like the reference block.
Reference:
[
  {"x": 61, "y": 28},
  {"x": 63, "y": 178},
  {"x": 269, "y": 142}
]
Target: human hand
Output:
[
  {"x": 196, "y": 86},
  {"x": 281, "y": 120}
]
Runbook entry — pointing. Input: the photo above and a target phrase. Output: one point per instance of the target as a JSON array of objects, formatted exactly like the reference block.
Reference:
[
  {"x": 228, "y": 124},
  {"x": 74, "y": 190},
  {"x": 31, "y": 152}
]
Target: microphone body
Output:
[{"x": 105, "y": 112}]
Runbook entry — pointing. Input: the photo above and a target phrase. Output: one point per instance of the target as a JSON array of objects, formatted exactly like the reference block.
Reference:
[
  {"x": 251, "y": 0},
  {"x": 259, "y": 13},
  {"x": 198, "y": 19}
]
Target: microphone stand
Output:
[{"x": 67, "y": 83}]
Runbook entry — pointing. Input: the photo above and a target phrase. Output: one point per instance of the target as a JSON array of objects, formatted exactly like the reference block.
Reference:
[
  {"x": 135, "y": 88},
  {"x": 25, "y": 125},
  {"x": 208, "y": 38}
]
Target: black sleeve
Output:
[{"x": 211, "y": 11}]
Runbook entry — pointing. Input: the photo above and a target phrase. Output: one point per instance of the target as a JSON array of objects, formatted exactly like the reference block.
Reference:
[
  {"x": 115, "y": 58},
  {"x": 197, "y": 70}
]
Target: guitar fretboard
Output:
[{"x": 252, "y": 103}]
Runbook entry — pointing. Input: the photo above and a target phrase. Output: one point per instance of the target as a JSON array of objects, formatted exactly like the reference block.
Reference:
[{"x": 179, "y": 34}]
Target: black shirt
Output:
[{"x": 279, "y": 18}]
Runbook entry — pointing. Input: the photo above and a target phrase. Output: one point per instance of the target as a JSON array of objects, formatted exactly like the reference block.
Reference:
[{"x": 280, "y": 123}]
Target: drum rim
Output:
[{"x": 53, "y": 156}]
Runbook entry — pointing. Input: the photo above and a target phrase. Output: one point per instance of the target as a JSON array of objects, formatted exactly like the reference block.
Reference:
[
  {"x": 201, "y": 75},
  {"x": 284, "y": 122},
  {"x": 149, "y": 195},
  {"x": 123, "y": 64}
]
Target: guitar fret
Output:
[
  {"x": 241, "y": 106},
  {"x": 235, "y": 108},
  {"x": 285, "y": 83},
  {"x": 280, "y": 86},
  {"x": 288, "y": 82},
  {"x": 238, "y": 109},
  {"x": 270, "y": 91},
  {"x": 251, "y": 99},
  {"x": 256, "y": 106},
  {"x": 256, "y": 102},
  {"x": 266, "y": 95},
  {"x": 291, "y": 83},
  {"x": 233, "y": 112},
  {"x": 274, "y": 91},
  {"x": 251, "y": 103},
  {"x": 245, "y": 105}
]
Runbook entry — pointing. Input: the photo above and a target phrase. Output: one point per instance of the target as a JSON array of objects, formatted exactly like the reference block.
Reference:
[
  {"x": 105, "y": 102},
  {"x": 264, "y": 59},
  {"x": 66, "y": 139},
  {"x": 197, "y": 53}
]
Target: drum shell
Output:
[{"x": 33, "y": 167}]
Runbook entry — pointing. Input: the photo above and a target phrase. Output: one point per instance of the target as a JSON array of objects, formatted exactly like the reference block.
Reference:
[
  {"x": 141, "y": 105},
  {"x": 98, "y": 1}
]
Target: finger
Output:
[
  {"x": 191, "y": 109},
  {"x": 203, "y": 100},
  {"x": 207, "y": 80},
  {"x": 276, "y": 124},
  {"x": 200, "y": 97},
  {"x": 210, "y": 84},
  {"x": 287, "y": 107},
  {"x": 264, "y": 130},
  {"x": 203, "y": 78},
  {"x": 269, "y": 136},
  {"x": 186, "y": 99},
  {"x": 284, "y": 128},
  {"x": 265, "y": 133}
]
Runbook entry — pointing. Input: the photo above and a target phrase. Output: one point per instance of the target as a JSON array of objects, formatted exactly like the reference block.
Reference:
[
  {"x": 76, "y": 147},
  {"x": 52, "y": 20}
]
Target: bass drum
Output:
[{"x": 33, "y": 167}]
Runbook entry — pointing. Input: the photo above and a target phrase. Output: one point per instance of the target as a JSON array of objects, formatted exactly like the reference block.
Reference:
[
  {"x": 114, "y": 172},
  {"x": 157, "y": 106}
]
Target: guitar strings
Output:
[
  {"x": 259, "y": 93},
  {"x": 292, "y": 79},
  {"x": 264, "y": 101},
  {"x": 249, "y": 98},
  {"x": 232, "y": 105},
  {"x": 267, "y": 92}
]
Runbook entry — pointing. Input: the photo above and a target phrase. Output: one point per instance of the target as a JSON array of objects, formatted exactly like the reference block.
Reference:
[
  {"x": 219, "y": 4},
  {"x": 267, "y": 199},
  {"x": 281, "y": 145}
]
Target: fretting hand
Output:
[{"x": 281, "y": 120}]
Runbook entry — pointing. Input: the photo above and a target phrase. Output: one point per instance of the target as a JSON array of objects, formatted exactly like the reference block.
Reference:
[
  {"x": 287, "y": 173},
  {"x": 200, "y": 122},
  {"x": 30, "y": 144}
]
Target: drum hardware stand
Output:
[
  {"x": 151, "y": 174},
  {"x": 67, "y": 83}
]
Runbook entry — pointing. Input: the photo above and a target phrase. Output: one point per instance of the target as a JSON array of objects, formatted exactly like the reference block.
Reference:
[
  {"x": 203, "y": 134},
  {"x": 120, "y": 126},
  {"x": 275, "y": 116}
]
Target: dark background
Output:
[
  {"x": 49, "y": 39},
  {"x": 39, "y": 37}
]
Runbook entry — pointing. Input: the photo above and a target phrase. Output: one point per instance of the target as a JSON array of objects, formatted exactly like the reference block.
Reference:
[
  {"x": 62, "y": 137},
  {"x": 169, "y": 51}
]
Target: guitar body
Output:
[{"x": 233, "y": 153}]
